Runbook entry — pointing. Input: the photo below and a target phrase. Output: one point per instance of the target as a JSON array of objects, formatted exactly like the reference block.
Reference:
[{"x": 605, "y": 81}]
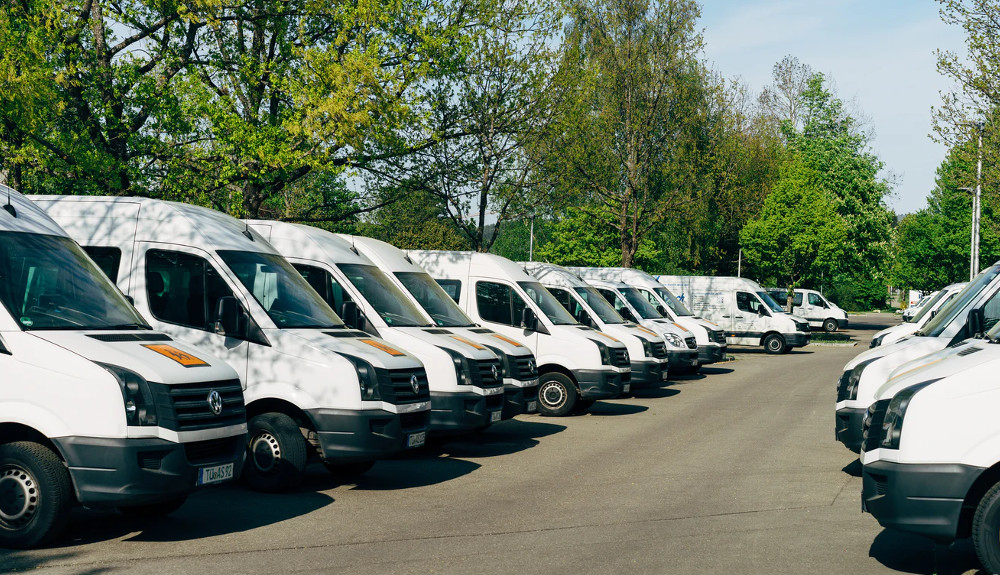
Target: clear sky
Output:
[{"x": 879, "y": 54}]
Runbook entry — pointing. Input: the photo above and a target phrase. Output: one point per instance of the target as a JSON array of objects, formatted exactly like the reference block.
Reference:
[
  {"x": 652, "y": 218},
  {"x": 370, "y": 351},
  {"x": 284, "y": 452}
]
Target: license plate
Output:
[
  {"x": 665, "y": 376},
  {"x": 217, "y": 474},
  {"x": 416, "y": 439},
  {"x": 627, "y": 387},
  {"x": 532, "y": 406},
  {"x": 494, "y": 416}
]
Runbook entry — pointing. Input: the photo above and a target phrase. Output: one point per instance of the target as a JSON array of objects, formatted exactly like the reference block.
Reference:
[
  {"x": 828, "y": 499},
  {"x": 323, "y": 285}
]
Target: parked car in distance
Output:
[{"x": 813, "y": 306}]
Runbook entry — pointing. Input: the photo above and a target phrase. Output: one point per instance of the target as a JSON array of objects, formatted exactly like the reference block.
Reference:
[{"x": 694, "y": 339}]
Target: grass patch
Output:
[{"x": 821, "y": 336}]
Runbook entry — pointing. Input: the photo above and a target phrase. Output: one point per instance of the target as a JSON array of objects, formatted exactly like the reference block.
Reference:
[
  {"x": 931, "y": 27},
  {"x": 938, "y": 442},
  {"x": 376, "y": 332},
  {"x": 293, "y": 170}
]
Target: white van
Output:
[
  {"x": 647, "y": 350},
  {"x": 96, "y": 408},
  {"x": 813, "y": 307},
  {"x": 577, "y": 365},
  {"x": 466, "y": 386},
  {"x": 313, "y": 387},
  {"x": 910, "y": 312},
  {"x": 745, "y": 311},
  {"x": 709, "y": 336},
  {"x": 682, "y": 347},
  {"x": 518, "y": 366},
  {"x": 895, "y": 333},
  {"x": 974, "y": 310},
  {"x": 939, "y": 474}
]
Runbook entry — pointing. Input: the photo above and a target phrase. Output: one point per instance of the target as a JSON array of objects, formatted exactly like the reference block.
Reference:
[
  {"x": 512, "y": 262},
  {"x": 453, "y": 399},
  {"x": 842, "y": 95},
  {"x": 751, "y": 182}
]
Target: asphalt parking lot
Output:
[{"x": 735, "y": 470}]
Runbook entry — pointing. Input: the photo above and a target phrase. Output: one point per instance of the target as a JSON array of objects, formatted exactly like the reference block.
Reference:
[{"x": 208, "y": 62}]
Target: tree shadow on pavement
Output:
[
  {"x": 911, "y": 553},
  {"x": 207, "y": 513}
]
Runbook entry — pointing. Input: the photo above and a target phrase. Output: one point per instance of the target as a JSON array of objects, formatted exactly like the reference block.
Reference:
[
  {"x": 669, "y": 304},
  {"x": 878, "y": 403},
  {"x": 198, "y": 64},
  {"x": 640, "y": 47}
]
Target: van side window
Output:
[
  {"x": 106, "y": 258},
  {"x": 183, "y": 289},
  {"x": 747, "y": 302},
  {"x": 325, "y": 285},
  {"x": 612, "y": 298},
  {"x": 815, "y": 300},
  {"x": 451, "y": 287},
  {"x": 797, "y": 300},
  {"x": 991, "y": 312},
  {"x": 649, "y": 297},
  {"x": 499, "y": 303},
  {"x": 566, "y": 300}
]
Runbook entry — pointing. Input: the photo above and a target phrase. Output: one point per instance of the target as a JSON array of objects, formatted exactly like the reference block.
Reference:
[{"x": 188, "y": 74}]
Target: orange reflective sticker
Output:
[
  {"x": 473, "y": 344},
  {"x": 379, "y": 345},
  {"x": 680, "y": 327},
  {"x": 649, "y": 331},
  {"x": 606, "y": 335},
  {"x": 507, "y": 339},
  {"x": 181, "y": 357}
]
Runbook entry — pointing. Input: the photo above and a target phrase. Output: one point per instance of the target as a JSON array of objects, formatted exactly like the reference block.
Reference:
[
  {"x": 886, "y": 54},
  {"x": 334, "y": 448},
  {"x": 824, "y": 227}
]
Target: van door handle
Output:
[
  {"x": 738, "y": 317},
  {"x": 726, "y": 316}
]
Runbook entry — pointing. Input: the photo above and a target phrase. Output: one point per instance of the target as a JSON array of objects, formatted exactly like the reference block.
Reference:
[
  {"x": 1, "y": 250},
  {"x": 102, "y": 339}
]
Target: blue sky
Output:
[{"x": 879, "y": 54}]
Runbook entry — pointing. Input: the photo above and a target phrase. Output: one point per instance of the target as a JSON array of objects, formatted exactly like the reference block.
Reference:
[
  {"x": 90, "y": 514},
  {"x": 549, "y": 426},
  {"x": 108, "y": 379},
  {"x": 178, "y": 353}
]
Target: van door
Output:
[
  {"x": 747, "y": 321},
  {"x": 179, "y": 291},
  {"x": 500, "y": 306}
]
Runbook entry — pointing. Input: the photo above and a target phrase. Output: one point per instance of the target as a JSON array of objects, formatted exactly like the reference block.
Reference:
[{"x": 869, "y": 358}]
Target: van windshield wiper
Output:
[{"x": 126, "y": 326}]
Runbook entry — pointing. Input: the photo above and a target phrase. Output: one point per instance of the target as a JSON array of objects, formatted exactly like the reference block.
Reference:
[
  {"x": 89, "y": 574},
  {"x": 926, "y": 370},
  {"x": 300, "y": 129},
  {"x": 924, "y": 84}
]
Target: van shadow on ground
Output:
[
  {"x": 611, "y": 409},
  {"x": 853, "y": 468},
  {"x": 21, "y": 561},
  {"x": 911, "y": 553},
  {"x": 207, "y": 513},
  {"x": 655, "y": 392}
]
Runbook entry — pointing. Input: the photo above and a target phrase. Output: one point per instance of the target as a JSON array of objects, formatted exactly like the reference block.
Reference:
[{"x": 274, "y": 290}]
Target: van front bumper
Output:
[
  {"x": 602, "y": 384},
  {"x": 122, "y": 472},
  {"x": 518, "y": 400},
  {"x": 849, "y": 427},
  {"x": 462, "y": 412},
  {"x": 349, "y": 436},
  {"x": 683, "y": 358},
  {"x": 797, "y": 339},
  {"x": 918, "y": 498},
  {"x": 711, "y": 353},
  {"x": 648, "y": 372}
]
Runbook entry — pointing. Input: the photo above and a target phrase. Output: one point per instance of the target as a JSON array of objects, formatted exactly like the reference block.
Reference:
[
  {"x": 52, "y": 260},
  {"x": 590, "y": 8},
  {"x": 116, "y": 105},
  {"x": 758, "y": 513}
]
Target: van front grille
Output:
[
  {"x": 186, "y": 407},
  {"x": 619, "y": 357},
  {"x": 212, "y": 450},
  {"x": 483, "y": 370},
  {"x": 691, "y": 342},
  {"x": 658, "y": 349},
  {"x": 396, "y": 385}
]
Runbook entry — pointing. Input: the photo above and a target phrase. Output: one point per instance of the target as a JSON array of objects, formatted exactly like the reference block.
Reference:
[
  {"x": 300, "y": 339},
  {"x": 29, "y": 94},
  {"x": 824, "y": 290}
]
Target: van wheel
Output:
[
  {"x": 153, "y": 510},
  {"x": 831, "y": 325},
  {"x": 986, "y": 530},
  {"x": 349, "y": 470},
  {"x": 276, "y": 453},
  {"x": 35, "y": 495},
  {"x": 774, "y": 343},
  {"x": 556, "y": 395}
]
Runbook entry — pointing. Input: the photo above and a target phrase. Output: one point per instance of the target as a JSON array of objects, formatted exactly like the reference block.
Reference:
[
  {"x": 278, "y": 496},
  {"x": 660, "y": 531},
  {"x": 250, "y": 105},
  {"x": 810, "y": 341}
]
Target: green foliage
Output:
[
  {"x": 581, "y": 238},
  {"x": 415, "y": 221}
]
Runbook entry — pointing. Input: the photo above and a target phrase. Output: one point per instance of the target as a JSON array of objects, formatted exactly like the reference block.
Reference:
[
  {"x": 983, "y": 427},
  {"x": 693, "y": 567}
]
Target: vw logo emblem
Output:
[
  {"x": 415, "y": 384},
  {"x": 495, "y": 371},
  {"x": 626, "y": 356},
  {"x": 531, "y": 365},
  {"x": 215, "y": 402}
]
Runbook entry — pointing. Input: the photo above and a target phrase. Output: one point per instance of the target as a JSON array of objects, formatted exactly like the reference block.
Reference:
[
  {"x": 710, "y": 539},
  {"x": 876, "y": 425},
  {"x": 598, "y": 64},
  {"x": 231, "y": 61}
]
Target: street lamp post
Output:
[{"x": 974, "y": 248}]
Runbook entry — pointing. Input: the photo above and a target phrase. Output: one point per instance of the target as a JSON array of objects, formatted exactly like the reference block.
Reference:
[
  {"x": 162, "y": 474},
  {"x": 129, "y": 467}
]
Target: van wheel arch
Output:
[
  {"x": 275, "y": 405},
  {"x": 770, "y": 336},
  {"x": 556, "y": 368},
  {"x": 11, "y": 432},
  {"x": 980, "y": 486}
]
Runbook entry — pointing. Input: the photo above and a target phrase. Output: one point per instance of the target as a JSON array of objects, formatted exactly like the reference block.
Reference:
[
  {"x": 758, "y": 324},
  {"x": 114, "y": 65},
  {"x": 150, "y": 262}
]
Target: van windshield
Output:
[
  {"x": 435, "y": 301},
  {"x": 927, "y": 308},
  {"x": 672, "y": 301},
  {"x": 640, "y": 303},
  {"x": 948, "y": 312},
  {"x": 769, "y": 302},
  {"x": 548, "y": 303},
  {"x": 280, "y": 290},
  {"x": 389, "y": 301},
  {"x": 600, "y": 305},
  {"x": 48, "y": 282}
]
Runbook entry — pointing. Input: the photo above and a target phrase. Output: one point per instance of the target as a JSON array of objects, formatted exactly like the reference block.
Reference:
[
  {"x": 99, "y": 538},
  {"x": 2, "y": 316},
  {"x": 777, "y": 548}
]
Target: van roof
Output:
[
  {"x": 553, "y": 275},
  {"x": 309, "y": 242},
  {"x": 443, "y": 263},
  {"x": 29, "y": 217},
  {"x": 160, "y": 221},
  {"x": 385, "y": 255},
  {"x": 619, "y": 274}
]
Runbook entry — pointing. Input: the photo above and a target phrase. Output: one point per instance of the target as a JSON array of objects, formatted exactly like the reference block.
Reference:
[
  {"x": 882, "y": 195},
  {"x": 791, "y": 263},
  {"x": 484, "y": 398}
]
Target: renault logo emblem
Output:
[
  {"x": 415, "y": 384},
  {"x": 215, "y": 402},
  {"x": 495, "y": 371}
]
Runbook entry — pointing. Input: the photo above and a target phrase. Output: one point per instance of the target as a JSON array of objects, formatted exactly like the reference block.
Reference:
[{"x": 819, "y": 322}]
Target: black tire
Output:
[
  {"x": 349, "y": 470},
  {"x": 583, "y": 405},
  {"x": 986, "y": 530},
  {"x": 830, "y": 325},
  {"x": 276, "y": 453},
  {"x": 775, "y": 344},
  {"x": 36, "y": 494},
  {"x": 153, "y": 510},
  {"x": 556, "y": 395}
]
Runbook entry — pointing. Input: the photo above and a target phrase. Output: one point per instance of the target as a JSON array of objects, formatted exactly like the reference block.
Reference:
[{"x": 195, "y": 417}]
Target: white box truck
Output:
[
  {"x": 96, "y": 407},
  {"x": 314, "y": 388},
  {"x": 466, "y": 385},
  {"x": 576, "y": 365},
  {"x": 743, "y": 309},
  {"x": 646, "y": 349}
]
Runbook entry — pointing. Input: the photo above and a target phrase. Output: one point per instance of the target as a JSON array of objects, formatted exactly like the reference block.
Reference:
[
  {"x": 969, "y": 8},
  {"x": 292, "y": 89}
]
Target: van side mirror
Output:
[
  {"x": 228, "y": 316},
  {"x": 529, "y": 320},
  {"x": 976, "y": 322},
  {"x": 662, "y": 310},
  {"x": 583, "y": 317},
  {"x": 351, "y": 314},
  {"x": 627, "y": 314},
  {"x": 130, "y": 300},
  {"x": 933, "y": 313},
  {"x": 761, "y": 311}
]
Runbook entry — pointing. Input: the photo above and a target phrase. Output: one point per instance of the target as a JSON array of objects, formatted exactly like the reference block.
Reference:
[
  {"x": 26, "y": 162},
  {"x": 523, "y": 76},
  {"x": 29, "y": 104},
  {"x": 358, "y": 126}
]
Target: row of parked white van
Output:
[
  {"x": 920, "y": 407},
  {"x": 156, "y": 347}
]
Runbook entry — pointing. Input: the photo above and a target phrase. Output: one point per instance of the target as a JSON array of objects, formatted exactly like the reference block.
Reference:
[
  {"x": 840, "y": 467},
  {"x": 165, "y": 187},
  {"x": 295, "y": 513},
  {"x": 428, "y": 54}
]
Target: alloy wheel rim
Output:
[
  {"x": 266, "y": 452},
  {"x": 19, "y": 496}
]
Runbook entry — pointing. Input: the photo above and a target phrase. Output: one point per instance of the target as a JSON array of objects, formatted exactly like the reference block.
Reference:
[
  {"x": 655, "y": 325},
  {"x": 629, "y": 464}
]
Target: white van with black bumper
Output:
[
  {"x": 891, "y": 335},
  {"x": 96, "y": 407}
]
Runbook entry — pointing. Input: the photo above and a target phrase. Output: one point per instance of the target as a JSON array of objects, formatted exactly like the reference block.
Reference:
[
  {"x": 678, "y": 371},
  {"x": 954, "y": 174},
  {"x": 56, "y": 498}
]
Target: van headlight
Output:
[
  {"x": 674, "y": 339},
  {"x": 647, "y": 350},
  {"x": 367, "y": 378},
  {"x": 461, "y": 363},
  {"x": 605, "y": 353},
  {"x": 855, "y": 378},
  {"x": 892, "y": 425},
  {"x": 877, "y": 341},
  {"x": 140, "y": 408}
]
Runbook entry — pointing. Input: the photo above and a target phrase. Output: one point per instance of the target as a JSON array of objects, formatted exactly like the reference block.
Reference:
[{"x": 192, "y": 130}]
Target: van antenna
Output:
[
  {"x": 9, "y": 208},
  {"x": 246, "y": 229},
  {"x": 353, "y": 248}
]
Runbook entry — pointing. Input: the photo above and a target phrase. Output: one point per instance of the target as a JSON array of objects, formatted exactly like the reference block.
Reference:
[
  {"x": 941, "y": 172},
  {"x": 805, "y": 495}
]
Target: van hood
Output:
[
  {"x": 446, "y": 339},
  {"x": 588, "y": 333},
  {"x": 153, "y": 355},
  {"x": 883, "y": 350},
  {"x": 491, "y": 339},
  {"x": 322, "y": 342},
  {"x": 938, "y": 365}
]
